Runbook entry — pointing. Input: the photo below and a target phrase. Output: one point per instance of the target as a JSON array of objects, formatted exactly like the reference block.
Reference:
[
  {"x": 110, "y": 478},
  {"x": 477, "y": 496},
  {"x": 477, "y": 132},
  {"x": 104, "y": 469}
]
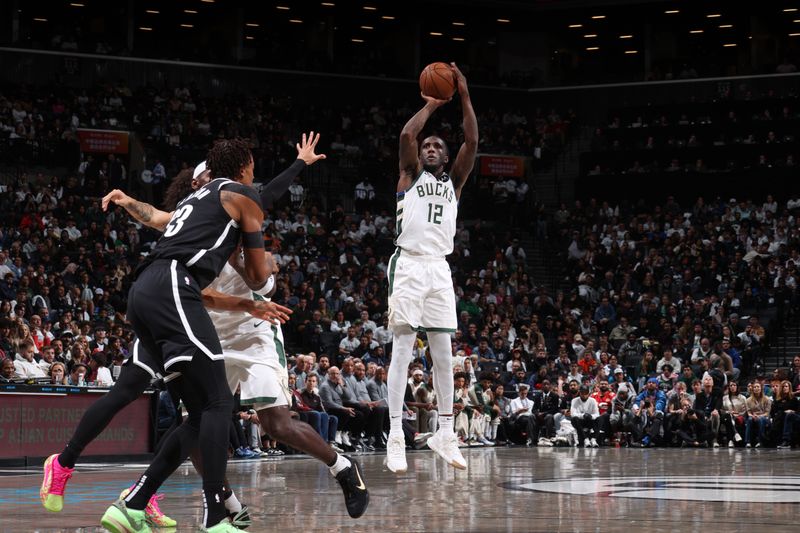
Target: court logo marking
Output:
[{"x": 746, "y": 489}]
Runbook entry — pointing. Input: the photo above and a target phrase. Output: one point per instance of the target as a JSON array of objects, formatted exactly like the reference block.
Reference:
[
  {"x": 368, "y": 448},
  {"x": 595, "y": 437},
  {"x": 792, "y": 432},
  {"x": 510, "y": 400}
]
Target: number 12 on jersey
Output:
[{"x": 435, "y": 213}]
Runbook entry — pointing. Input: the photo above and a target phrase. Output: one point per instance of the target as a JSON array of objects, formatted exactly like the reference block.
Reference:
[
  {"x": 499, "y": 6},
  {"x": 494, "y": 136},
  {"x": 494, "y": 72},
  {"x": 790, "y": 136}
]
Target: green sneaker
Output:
[
  {"x": 119, "y": 519},
  {"x": 223, "y": 527}
]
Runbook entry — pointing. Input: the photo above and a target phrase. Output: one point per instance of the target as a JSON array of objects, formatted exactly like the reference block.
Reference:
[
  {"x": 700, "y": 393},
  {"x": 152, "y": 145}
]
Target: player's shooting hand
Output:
[
  {"x": 270, "y": 311},
  {"x": 305, "y": 149},
  {"x": 116, "y": 196},
  {"x": 434, "y": 102},
  {"x": 461, "y": 81}
]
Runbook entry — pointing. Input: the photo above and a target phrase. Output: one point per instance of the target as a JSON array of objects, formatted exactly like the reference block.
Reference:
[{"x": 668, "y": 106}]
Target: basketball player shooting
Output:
[{"x": 421, "y": 296}]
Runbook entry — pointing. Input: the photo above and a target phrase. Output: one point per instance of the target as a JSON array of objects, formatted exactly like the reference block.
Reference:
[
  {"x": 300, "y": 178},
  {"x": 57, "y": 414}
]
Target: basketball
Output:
[{"x": 438, "y": 81}]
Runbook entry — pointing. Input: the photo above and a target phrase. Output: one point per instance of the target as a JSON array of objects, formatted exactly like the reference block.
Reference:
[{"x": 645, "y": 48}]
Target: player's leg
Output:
[
  {"x": 266, "y": 388},
  {"x": 406, "y": 291},
  {"x": 189, "y": 345},
  {"x": 402, "y": 346},
  {"x": 209, "y": 402},
  {"x": 59, "y": 468},
  {"x": 439, "y": 321}
]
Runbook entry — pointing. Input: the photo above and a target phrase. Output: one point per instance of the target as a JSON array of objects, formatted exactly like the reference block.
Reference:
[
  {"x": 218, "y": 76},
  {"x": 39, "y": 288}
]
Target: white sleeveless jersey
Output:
[
  {"x": 426, "y": 216},
  {"x": 239, "y": 331},
  {"x": 231, "y": 283}
]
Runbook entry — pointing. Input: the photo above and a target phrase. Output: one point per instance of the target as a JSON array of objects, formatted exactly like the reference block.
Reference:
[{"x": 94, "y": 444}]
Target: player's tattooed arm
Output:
[
  {"x": 409, "y": 147},
  {"x": 141, "y": 211},
  {"x": 465, "y": 159}
]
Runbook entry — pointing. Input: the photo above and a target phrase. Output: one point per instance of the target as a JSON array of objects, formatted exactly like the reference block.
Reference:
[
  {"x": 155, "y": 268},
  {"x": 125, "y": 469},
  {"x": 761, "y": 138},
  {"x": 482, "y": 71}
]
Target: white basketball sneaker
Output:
[
  {"x": 445, "y": 444},
  {"x": 396, "y": 454}
]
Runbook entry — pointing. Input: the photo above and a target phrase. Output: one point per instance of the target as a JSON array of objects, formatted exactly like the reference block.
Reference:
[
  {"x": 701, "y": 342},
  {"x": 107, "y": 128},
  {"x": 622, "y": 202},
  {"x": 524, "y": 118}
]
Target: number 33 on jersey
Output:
[{"x": 426, "y": 216}]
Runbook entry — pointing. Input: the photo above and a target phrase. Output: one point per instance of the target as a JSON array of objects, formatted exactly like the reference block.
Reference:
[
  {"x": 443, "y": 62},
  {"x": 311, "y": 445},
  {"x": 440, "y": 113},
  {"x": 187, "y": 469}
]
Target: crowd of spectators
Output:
[
  {"x": 728, "y": 134},
  {"x": 177, "y": 125},
  {"x": 657, "y": 295}
]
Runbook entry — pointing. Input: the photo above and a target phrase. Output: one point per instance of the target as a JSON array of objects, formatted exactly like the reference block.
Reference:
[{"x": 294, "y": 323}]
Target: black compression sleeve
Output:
[{"x": 278, "y": 185}]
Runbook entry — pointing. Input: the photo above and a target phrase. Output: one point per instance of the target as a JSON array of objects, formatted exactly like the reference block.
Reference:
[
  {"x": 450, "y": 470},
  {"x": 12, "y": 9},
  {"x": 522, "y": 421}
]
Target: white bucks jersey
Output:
[{"x": 426, "y": 216}]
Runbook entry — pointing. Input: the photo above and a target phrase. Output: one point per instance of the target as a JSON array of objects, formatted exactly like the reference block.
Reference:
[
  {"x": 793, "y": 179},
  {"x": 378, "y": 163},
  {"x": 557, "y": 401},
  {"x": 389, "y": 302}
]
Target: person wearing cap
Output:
[
  {"x": 416, "y": 392},
  {"x": 649, "y": 410},
  {"x": 584, "y": 414},
  {"x": 522, "y": 416}
]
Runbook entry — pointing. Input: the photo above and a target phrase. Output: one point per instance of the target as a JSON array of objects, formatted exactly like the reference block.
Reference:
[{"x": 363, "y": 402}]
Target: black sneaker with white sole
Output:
[{"x": 356, "y": 495}]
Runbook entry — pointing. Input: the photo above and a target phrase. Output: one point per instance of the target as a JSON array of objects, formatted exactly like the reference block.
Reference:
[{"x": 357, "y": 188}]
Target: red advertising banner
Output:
[
  {"x": 35, "y": 425},
  {"x": 103, "y": 141},
  {"x": 502, "y": 165}
]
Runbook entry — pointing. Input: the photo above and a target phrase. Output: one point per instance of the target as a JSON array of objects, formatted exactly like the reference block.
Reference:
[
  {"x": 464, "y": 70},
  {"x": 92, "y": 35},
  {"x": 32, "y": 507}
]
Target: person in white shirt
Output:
[
  {"x": 366, "y": 322},
  {"x": 522, "y": 414},
  {"x": 296, "y": 192},
  {"x": 584, "y": 413},
  {"x": 99, "y": 371},
  {"x": 383, "y": 334},
  {"x": 25, "y": 366},
  {"x": 668, "y": 359},
  {"x": 349, "y": 343}
]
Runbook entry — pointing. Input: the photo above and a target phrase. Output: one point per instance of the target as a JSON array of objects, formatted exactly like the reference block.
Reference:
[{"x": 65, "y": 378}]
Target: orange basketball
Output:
[{"x": 438, "y": 81}]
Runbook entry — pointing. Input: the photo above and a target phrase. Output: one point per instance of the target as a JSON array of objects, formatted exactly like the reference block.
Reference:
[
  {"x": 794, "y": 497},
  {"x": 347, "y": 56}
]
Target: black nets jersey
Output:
[{"x": 201, "y": 235}]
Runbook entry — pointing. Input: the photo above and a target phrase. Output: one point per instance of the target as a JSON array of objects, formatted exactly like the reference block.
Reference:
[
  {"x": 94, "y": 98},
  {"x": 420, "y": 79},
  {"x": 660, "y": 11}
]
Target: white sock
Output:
[
  {"x": 341, "y": 463},
  {"x": 446, "y": 423},
  {"x": 232, "y": 504},
  {"x": 396, "y": 425}
]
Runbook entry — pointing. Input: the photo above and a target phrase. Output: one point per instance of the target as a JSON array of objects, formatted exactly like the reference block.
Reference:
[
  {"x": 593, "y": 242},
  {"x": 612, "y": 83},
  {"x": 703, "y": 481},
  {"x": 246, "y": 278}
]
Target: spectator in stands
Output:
[
  {"x": 648, "y": 410},
  {"x": 25, "y": 364},
  {"x": 759, "y": 407},
  {"x": 734, "y": 413},
  {"x": 584, "y": 415},
  {"x": 331, "y": 391},
  {"x": 784, "y": 414},
  {"x": 708, "y": 404},
  {"x": 310, "y": 406},
  {"x": 8, "y": 372},
  {"x": 58, "y": 373}
]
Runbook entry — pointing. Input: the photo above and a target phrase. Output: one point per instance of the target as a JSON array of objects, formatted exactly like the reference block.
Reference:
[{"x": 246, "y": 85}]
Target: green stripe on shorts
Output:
[
  {"x": 392, "y": 265},
  {"x": 436, "y": 330},
  {"x": 279, "y": 347},
  {"x": 259, "y": 399}
]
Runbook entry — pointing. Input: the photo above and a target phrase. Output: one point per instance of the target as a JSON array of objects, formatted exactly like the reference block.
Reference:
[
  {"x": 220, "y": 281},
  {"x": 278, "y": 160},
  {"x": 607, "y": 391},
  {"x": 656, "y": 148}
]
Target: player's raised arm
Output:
[
  {"x": 465, "y": 159},
  {"x": 141, "y": 211},
  {"x": 409, "y": 149},
  {"x": 306, "y": 156}
]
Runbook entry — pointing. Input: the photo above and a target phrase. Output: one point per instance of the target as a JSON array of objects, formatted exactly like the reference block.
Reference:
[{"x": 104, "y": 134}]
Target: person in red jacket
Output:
[{"x": 604, "y": 397}]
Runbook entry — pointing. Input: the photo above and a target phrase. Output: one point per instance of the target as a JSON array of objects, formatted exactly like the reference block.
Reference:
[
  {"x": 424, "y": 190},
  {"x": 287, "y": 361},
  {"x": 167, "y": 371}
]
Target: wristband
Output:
[
  {"x": 267, "y": 288},
  {"x": 252, "y": 239}
]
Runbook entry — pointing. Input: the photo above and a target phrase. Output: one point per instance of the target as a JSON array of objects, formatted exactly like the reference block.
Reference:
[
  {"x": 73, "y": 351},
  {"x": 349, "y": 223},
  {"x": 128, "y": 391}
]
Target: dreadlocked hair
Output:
[
  {"x": 179, "y": 189},
  {"x": 227, "y": 158}
]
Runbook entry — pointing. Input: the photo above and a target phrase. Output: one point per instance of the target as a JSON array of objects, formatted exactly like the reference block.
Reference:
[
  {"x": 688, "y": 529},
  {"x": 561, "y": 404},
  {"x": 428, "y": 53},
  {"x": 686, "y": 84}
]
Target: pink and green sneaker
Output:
[
  {"x": 54, "y": 483},
  {"x": 155, "y": 517}
]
